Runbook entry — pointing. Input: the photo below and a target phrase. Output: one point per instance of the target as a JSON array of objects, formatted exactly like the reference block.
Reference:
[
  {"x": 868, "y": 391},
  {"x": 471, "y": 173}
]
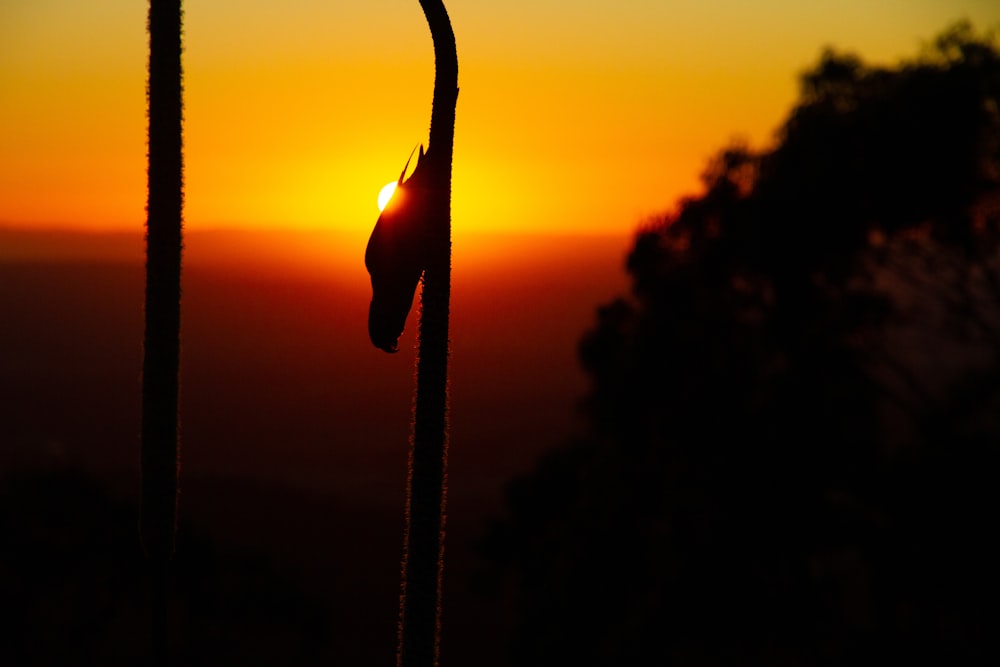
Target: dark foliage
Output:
[
  {"x": 73, "y": 589},
  {"x": 791, "y": 446}
]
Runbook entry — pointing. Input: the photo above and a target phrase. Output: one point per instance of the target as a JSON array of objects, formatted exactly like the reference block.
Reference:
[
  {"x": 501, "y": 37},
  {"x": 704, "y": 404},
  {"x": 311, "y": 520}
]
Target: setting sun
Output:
[
  {"x": 288, "y": 123},
  {"x": 385, "y": 194}
]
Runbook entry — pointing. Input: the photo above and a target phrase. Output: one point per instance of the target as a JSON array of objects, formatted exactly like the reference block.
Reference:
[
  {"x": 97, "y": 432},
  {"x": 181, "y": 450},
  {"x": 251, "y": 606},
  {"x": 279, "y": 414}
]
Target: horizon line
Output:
[{"x": 8, "y": 227}]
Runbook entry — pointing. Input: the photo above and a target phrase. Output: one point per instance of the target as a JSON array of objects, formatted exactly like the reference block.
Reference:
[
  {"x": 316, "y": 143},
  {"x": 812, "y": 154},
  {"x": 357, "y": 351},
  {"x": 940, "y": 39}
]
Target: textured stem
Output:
[
  {"x": 161, "y": 350},
  {"x": 420, "y": 614}
]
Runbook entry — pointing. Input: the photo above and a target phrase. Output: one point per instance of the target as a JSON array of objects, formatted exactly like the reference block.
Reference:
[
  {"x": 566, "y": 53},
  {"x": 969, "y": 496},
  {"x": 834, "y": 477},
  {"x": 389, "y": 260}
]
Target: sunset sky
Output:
[{"x": 573, "y": 116}]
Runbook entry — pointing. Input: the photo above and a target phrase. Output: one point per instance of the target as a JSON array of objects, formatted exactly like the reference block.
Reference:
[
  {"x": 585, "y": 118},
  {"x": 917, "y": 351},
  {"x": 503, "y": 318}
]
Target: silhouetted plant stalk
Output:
[
  {"x": 161, "y": 351},
  {"x": 420, "y": 612}
]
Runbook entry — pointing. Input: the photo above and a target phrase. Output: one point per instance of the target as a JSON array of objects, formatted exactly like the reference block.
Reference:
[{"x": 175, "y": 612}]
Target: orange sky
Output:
[{"x": 573, "y": 116}]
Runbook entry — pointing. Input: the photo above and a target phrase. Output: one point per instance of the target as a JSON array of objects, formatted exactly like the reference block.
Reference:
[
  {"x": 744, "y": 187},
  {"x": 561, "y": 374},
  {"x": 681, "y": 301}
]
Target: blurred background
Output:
[{"x": 724, "y": 359}]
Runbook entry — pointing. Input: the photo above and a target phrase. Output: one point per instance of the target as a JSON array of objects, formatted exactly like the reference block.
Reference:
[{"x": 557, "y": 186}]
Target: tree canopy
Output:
[{"x": 793, "y": 442}]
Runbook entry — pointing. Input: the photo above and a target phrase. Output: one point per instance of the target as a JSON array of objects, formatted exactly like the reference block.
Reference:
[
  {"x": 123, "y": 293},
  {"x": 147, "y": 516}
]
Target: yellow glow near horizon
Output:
[
  {"x": 385, "y": 194},
  {"x": 582, "y": 118}
]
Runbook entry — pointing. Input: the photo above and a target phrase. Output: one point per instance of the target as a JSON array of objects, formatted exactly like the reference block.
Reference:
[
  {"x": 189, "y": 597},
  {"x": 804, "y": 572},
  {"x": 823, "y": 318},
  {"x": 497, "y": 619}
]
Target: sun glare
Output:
[{"x": 385, "y": 194}]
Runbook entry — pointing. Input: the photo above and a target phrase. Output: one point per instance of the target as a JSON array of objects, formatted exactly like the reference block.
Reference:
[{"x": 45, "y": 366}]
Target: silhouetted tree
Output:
[
  {"x": 774, "y": 473},
  {"x": 161, "y": 353}
]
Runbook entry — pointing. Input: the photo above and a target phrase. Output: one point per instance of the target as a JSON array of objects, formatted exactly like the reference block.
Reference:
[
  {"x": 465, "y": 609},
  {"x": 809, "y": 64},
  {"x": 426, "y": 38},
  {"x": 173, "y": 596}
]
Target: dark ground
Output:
[{"x": 294, "y": 441}]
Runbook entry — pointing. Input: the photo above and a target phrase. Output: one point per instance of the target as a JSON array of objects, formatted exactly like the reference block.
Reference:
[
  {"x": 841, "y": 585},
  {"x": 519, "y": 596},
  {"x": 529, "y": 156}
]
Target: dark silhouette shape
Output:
[
  {"x": 73, "y": 583},
  {"x": 412, "y": 238},
  {"x": 396, "y": 255},
  {"x": 792, "y": 417},
  {"x": 161, "y": 352}
]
